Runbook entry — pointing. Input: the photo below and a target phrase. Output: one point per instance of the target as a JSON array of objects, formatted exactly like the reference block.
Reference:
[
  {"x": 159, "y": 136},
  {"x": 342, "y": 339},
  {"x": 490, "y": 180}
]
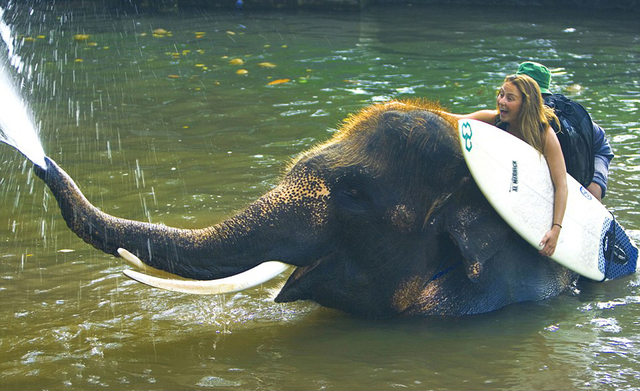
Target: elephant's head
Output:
[{"x": 383, "y": 219}]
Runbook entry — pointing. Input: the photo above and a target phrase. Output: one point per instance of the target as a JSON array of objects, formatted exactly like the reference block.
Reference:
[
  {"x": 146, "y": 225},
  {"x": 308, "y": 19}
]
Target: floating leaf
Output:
[
  {"x": 574, "y": 88},
  {"x": 173, "y": 76},
  {"x": 79, "y": 60},
  {"x": 81, "y": 37},
  {"x": 66, "y": 250},
  {"x": 236, "y": 61},
  {"x": 159, "y": 33},
  {"x": 242, "y": 72},
  {"x": 278, "y": 81},
  {"x": 231, "y": 33},
  {"x": 267, "y": 65}
]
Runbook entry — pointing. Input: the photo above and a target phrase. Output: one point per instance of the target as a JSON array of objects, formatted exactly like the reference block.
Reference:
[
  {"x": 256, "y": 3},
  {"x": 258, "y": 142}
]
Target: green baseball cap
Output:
[{"x": 537, "y": 72}]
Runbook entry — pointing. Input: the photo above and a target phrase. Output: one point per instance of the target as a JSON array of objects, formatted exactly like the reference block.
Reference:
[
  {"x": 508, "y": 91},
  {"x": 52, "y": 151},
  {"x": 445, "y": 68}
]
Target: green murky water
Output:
[{"x": 163, "y": 128}]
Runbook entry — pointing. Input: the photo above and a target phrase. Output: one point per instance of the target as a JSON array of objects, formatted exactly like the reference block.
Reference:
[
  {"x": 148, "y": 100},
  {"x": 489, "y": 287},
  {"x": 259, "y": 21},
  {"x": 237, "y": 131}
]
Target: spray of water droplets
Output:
[{"x": 17, "y": 127}]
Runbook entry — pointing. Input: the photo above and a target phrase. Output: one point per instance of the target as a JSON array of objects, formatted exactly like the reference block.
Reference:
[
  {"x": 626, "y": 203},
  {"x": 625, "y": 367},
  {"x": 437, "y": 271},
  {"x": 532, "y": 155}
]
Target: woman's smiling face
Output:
[{"x": 509, "y": 102}]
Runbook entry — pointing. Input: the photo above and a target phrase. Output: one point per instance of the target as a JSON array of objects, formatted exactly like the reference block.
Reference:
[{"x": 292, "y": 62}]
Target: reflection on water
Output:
[{"x": 152, "y": 118}]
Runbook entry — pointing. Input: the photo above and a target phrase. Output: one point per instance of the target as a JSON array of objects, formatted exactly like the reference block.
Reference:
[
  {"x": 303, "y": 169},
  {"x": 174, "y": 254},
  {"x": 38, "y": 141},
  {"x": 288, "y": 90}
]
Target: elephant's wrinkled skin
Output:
[{"x": 381, "y": 220}]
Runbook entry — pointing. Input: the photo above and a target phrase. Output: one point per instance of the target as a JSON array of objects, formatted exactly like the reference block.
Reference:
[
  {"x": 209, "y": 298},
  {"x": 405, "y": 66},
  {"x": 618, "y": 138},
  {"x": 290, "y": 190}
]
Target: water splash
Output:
[{"x": 17, "y": 127}]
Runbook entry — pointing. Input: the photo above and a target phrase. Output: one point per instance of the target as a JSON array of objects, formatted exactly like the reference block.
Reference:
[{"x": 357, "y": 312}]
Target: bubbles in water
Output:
[{"x": 17, "y": 128}]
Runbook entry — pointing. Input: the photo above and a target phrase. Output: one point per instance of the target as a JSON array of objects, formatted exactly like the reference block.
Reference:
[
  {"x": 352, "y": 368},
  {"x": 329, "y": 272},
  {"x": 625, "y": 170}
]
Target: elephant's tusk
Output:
[
  {"x": 252, "y": 277},
  {"x": 136, "y": 262}
]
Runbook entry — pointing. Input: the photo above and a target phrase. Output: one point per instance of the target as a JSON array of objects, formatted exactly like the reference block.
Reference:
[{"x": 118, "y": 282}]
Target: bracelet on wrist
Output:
[{"x": 557, "y": 225}]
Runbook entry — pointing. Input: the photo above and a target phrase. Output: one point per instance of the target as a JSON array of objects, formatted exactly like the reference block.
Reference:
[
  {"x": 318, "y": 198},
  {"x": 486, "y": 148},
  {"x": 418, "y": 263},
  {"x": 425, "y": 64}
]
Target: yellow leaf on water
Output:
[
  {"x": 236, "y": 61},
  {"x": 81, "y": 37},
  {"x": 79, "y": 60},
  {"x": 29, "y": 39},
  {"x": 278, "y": 81},
  {"x": 160, "y": 33},
  {"x": 173, "y": 76},
  {"x": 267, "y": 65},
  {"x": 242, "y": 72},
  {"x": 231, "y": 33}
]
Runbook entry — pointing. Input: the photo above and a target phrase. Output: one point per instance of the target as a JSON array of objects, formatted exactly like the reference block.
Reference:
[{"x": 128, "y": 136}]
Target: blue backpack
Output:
[{"x": 575, "y": 136}]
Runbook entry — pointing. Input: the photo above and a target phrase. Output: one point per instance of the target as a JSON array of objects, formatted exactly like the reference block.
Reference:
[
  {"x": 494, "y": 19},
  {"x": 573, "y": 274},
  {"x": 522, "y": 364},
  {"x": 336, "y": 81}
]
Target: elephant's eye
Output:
[
  {"x": 354, "y": 198},
  {"x": 355, "y": 193}
]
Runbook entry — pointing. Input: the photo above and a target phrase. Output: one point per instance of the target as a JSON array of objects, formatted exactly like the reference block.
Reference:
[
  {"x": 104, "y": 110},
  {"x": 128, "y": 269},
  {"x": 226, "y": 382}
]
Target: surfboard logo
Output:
[
  {"x": 467, "y": 133},
  {"x": 585, "y": 193},
  {"x": 514, "y": 176}
]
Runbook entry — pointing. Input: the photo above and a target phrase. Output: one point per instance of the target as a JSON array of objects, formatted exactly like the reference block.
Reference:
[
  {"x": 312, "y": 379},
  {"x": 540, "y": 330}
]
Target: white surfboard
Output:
[{"x": 515, "y": 179}]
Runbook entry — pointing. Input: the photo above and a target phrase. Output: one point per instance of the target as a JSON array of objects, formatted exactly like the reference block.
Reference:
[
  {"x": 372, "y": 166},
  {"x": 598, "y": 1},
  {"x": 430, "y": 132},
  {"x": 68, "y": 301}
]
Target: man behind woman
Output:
[{"x": 602, "y": 153}]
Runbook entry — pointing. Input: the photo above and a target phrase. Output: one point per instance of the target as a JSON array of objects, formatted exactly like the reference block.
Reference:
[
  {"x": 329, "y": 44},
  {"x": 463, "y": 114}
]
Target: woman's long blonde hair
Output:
[{"x": 535, "y": 117}]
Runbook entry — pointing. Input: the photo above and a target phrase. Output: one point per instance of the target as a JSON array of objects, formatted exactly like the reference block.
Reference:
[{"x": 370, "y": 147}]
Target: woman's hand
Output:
[{"x": 550, "y": 241}]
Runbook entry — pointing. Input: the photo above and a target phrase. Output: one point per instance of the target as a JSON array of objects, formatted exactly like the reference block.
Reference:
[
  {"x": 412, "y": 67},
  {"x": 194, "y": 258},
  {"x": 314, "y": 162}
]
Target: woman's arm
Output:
[
  {"x": 555, "y": 160},
  {"x": 488, "y": 116}
]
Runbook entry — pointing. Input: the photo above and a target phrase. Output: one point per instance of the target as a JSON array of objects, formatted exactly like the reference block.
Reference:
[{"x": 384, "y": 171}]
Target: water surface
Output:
[{"x": 162, "y": 128}]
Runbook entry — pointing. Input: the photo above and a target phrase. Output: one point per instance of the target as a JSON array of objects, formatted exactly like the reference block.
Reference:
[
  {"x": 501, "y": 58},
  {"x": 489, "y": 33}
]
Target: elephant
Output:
[{"x": 382, "y": 220}]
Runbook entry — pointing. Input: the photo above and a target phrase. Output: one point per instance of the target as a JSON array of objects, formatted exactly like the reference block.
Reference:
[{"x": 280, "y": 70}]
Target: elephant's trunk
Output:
[{"x": 264, "y": 231}]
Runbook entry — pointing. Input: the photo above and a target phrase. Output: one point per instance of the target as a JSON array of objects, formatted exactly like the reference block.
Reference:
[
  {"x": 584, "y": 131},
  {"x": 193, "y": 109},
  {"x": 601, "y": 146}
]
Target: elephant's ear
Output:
[{"x": 479, "y": 232}]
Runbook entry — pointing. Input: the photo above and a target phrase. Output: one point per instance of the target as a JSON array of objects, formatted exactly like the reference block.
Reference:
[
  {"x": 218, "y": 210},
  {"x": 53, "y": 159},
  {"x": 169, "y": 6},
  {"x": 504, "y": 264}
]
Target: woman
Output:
[{"x": 521, "y": 112}]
